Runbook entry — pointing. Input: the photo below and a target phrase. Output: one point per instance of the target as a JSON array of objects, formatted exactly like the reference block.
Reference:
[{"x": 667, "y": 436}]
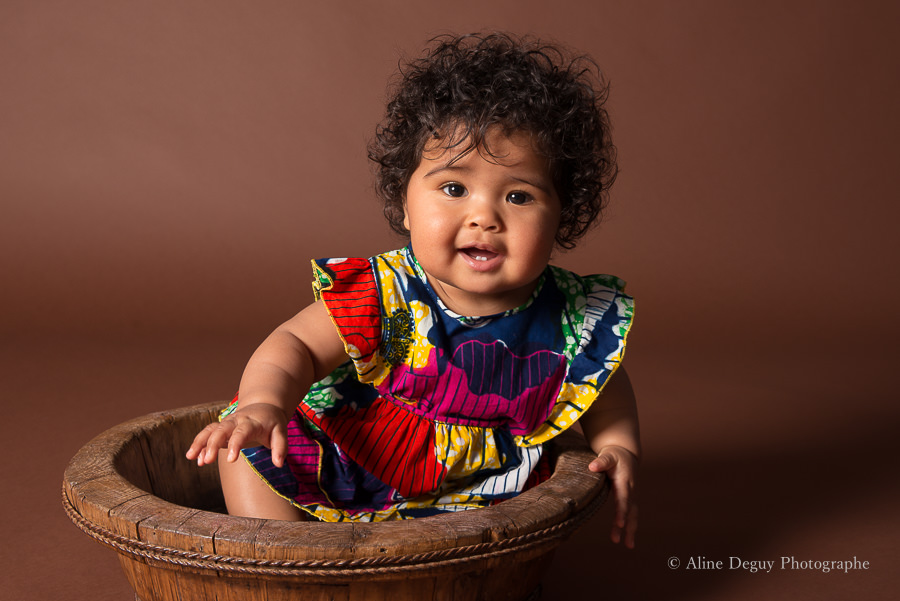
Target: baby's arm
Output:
[
  {"x": 301, "y": 351},
  {"x": 611, "y": 428}
]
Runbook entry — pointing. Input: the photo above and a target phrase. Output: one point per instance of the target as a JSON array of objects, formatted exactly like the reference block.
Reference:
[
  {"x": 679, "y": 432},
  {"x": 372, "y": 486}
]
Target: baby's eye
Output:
[
  {"x": 518, "y": 198},
  {"x": 454, "y": 190}
]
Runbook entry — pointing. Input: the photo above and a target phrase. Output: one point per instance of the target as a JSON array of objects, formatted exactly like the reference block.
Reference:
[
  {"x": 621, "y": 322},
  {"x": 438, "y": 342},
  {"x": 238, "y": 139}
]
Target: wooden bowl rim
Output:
[{"x": 102, "y": 496}]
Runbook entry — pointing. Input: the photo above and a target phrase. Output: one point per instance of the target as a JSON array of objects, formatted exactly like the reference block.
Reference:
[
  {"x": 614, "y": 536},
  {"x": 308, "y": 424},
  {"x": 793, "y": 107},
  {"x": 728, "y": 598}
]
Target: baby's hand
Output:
[
  {"x": 620, "y": 466},
  {"x": 253, "y": 425}
]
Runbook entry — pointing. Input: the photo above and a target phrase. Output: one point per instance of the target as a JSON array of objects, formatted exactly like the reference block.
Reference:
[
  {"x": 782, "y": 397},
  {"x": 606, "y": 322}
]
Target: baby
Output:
[{"x": 427, "y": 379}]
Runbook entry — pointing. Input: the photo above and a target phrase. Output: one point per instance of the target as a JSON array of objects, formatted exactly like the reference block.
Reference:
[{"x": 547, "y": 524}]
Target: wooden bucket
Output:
[{"x": 132, "y": 489}]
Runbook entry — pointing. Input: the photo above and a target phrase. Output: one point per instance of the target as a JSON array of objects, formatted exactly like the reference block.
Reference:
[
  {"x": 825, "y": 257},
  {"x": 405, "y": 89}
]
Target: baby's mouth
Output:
[
  {"x": 481, "y": 258},
  {"x": 480, "y": 254}
]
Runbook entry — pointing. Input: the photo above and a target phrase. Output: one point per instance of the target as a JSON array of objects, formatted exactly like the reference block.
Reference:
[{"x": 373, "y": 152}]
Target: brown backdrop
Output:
[{"x": 168, "y": 169}]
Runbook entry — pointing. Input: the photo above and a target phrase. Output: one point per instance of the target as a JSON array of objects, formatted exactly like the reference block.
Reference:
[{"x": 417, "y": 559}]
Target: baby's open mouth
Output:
[{"x": 479, "y": 254}]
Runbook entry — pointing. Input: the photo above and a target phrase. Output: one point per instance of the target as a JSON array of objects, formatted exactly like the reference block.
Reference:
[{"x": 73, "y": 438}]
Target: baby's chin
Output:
[{"x": 480, "y": 299}]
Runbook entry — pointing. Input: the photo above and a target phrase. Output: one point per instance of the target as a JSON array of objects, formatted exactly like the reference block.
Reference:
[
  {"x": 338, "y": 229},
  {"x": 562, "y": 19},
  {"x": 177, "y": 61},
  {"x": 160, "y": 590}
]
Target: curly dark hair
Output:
[{"x": 465, "y": 85}]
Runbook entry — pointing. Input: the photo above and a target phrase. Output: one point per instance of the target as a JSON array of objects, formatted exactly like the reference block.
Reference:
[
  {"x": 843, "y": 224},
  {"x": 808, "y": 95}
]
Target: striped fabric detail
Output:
[
  {"x": 279, "y": 479},
  {"x": 348, "y": 288},
  {"x": 501, "y": 485},
  {"x": 392, "y": 444},
  {"x": 303, "y": 461}
]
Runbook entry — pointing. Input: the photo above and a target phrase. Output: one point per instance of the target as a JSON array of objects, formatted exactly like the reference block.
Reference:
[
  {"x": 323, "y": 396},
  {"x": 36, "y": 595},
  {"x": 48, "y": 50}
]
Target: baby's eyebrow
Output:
[
  {"x": 447, "y": 167},
  {"x": 540, "y": 185}
]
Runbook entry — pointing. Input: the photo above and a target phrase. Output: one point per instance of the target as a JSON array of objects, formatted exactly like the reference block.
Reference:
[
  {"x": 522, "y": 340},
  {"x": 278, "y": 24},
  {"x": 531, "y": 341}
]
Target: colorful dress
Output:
[{"x": 436, "y": 411}]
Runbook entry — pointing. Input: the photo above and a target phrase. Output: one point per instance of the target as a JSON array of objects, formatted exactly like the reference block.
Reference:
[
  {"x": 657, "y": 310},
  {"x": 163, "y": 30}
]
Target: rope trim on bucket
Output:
[{"x": 335, "y": 568}]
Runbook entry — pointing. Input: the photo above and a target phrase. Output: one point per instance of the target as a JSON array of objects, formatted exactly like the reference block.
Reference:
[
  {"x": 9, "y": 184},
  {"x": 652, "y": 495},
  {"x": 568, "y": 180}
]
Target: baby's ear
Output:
[{"x": 405, "y": 215}]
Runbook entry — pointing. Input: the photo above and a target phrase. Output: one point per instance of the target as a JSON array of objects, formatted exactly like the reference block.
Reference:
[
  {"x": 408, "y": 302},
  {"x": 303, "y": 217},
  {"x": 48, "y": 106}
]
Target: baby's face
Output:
[{"x": 483, "y": 228}]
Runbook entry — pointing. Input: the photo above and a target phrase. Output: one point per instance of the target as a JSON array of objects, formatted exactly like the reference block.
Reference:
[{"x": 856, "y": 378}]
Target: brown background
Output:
[{"x": 167, "y": 170}]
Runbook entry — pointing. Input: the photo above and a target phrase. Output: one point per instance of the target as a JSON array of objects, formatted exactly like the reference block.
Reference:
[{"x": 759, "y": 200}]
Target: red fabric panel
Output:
[
  {"x": 352, "y": 300},
  {"x": 394, "y": 445}
]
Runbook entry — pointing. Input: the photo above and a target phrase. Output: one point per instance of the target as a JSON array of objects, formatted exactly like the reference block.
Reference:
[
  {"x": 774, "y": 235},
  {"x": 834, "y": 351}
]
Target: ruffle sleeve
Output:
[
  {"x": 596, "y": 322},
  {"x": 349, "y": 290}
]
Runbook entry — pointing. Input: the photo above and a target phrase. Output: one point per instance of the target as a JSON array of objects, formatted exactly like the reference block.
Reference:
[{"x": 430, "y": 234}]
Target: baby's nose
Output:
[{"x": 485, "y": 215}]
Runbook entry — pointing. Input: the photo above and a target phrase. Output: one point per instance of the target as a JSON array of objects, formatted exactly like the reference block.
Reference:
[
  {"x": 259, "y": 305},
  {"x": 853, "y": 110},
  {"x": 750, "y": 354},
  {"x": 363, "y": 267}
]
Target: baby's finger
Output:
[
  {"x": 198, "y": 443},
  {"x": 628, "y": 531},
  {"x": 602, "y": 463},
  {"x": 278, "y": 445},
  {"x": 622, "y": 486},
  {"x": 199, "y": 450},
  {"x": 631, "y": 527},
  {"x": 236, "y": 441},
  {"x": 218, "y": 438}
]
